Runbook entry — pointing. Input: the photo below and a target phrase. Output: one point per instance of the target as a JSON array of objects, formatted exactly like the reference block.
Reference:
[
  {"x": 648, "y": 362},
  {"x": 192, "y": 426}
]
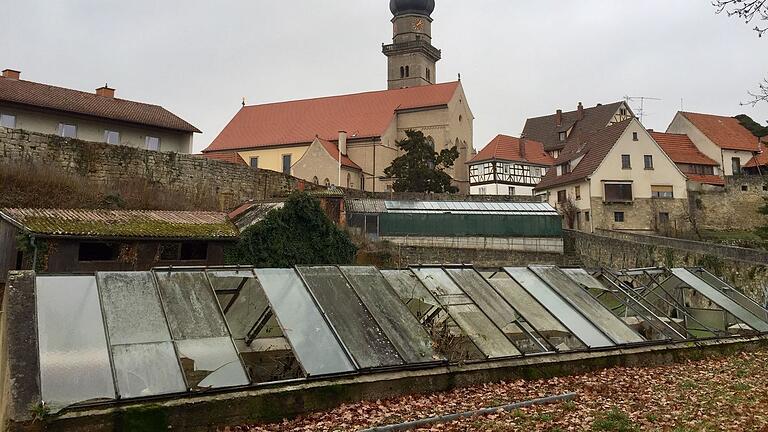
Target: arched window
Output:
[
  {"x": 315, "y": 180},
  {"x": 327, "y": 183},
  {"x": 407, "y": 71},
  {"x": 402, "y": 72},
  {"x": 349, "y": 180}
]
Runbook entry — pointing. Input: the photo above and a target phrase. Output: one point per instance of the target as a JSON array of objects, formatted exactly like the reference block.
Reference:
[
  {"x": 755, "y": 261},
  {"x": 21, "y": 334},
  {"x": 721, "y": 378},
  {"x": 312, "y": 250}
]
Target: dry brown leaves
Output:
[{"x": 729, "y": 394}]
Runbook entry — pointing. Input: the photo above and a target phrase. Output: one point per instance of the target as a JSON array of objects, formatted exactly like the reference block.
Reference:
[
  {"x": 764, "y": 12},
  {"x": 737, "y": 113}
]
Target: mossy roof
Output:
[{"x": 122, "y": 223}]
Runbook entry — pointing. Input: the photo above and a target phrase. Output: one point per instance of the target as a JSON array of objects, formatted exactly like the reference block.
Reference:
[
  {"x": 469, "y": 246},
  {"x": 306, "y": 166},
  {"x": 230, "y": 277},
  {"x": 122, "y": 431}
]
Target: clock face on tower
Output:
[{"x": 418, "y": 25}]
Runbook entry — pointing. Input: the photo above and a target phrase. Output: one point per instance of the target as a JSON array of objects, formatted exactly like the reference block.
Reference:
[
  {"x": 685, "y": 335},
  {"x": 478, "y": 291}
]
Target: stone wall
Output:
[
  {"x": 745, "y": 269},
  {"x": 642, "y": 214},
  {"x": 732, "y": 208},
  {"x": 186, "y": 174}
]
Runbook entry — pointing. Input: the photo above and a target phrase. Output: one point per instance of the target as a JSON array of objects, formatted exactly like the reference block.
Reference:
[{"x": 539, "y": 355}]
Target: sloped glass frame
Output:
[
  {"x": 211, "y": 363},
  {"x": 148, "y": 369},
  {"x": 191, "y": 306}
]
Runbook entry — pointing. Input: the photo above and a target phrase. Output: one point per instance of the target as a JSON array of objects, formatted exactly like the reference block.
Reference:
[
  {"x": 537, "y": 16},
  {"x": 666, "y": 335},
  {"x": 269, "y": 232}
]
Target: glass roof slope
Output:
[
  {"x": 582, "y": 277},
  {"x": 720, "y": 299},
  {"x": 191, "y": 306},
  {"x": 480, "y": 329},
  {"x": 401, "y": 327},
  {"x": 736, "y": 295},
  {"x": 354, "y": 324},
  {"x": 316, "y": 347},
  {"x": 609, "y": 323},
  {"x": 579, "y": 325},
  {"x": 74, "y": 357},
  {"x": 475, "y": 207}
]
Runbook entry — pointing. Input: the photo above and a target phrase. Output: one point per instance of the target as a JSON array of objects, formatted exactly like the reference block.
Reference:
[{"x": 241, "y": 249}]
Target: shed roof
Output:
[
  {"x": 726, "y": 132},
  {"x": 122, "y": 223},
  {"x": 512, "y": 149}
]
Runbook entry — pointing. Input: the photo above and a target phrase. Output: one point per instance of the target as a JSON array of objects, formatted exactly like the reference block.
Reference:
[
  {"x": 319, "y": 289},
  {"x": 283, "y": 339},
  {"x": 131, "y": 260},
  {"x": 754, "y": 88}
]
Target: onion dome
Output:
[{"x": 418, "y": 7}]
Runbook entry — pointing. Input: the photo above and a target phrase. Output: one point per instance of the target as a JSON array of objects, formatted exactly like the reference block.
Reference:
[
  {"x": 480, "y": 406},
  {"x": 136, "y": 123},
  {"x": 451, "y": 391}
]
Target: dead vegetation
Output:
[{"x": 41, "y": 186}]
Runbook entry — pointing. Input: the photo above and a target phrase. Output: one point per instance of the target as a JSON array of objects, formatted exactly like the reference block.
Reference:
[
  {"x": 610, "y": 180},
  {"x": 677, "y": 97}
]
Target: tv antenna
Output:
[{"x": 642, "y": 99}]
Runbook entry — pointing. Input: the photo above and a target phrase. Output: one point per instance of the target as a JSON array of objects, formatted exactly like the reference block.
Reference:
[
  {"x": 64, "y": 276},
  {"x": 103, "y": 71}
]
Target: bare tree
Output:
[{"x": 750, "y": 11}]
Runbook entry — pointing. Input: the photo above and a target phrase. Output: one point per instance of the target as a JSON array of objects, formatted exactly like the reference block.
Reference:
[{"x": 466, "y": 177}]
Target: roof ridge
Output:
[{"x": 576, "y": 110}]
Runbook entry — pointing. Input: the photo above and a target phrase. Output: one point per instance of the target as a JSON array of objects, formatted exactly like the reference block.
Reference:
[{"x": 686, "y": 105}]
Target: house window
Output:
[
  {"x": 402, "y": 72},
  {"x": 511, "y": 190},
  {"x": 618, "y": 192},
  {"x": 349, "y": 180},
  {"x": 648, "y": 159},
  {"x": 315, "y": 180},
  {"x": 586, "y": 216},
  {"x": 185, "y": 251},
  {"x": 287, "y": 164},
  {"x": 407, "y": 71},
  {"x": 744, "y": 188},
  {"x": 67, "y": 130},
  {"x": 254, "y": 162},
  {"x": 362, "y": 182},
  {"x": 327, "y": 183},
  {"x": 736, "y": 165},
  {"x": 618, "y": 217},
  {"x": 8, "y": 121},
  {"x": 98, "y": 251},
  {"x": 664, "y": 218},
  {"x": 482, "y": 190},
  {"x": 111, "y": 137},
  {"x": 577, "y": 192},
  {"x": 152, "y": 143},
  {"x": 563, "y": 136},
  {"x": 562, "y": 196},
  {"x": 429, "y": 75},
  {"x": 536, "y": 172},
  {"x": 662, "y": 192},
  {"x": 635, "y": 137},
  {"x": 626, "y": 162},
  {"x": 623, "y": 111}
]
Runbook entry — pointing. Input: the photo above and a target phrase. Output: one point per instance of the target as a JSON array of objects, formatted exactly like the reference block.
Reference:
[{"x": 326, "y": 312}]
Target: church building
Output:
[{"x": 349, "y": 140}]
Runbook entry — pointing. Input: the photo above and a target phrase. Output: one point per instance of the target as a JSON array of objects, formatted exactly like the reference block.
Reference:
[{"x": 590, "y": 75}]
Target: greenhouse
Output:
[{"x": 110, "y": 337}]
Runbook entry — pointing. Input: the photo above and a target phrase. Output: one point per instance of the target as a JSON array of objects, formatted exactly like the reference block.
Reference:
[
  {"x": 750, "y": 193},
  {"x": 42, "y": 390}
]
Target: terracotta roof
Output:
[
  {"x": 760, "y": 159},
  {"x": 508, "y": 148},
  {"x": 77, "y": 102},
  {"x": 545, "y": 129},
  {"x": 681, "y": 149},
  {"x": 725, "y": 132},
  {"x": 122, "y": 223},
  {"x": 333, "y": 150},
  {"x": 594, "y": 149},
  {"x": 231, "y": 157},
  {"x": 362, "y": 115},
  {"x": 706, "y": 179}
]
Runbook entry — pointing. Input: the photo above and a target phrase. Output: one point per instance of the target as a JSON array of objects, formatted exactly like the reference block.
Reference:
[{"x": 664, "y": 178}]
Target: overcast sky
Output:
[{"x": 517, "y": 59}]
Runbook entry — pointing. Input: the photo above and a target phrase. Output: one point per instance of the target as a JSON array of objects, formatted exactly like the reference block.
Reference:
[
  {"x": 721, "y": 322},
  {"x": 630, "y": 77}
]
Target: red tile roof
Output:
[
  {"x": 231, "y": 157},
  {"x": 706, "y": 179},
  {"x": 507, "y": 148},
  {"x": 681, "y": 149},
  {"x": 725, "y": 132},
  {"x": 760, "y": 160},
  {"x": 362, "y": 115},
  {"x": 546, "y": 130},
  {"x": 333, "y": 150},
  {"x": 45, "y": 96},
  {"x": 593, "y": 151}
]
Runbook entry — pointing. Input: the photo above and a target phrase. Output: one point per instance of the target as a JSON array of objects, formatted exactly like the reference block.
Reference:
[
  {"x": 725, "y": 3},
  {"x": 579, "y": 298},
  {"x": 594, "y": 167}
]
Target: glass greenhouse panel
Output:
[
  {"x": 582, "y": 277},
  {"x": 533, "y": 312},
  {"x": 249, "y": 304},
  {"x": 132, "y": 308},
  {"x": 211, "y": 363},
  {"x": 735, "y": 295},
  {"x": 147, "y": 370},
  {"x": 74, "y": 358},
  {"x": 412, "y": 292},
  {"x": 720, "y": 299},
  {"x": 609, "y": 323},
  {"x": 401, "y": 327},
  {"x": 438, "y": 282},
  {"x": 354, "y": 324},
  {"x": 191, "y": 306},
  {"x": 316, "y": 347},
  {"x": 584, "y": 329}
]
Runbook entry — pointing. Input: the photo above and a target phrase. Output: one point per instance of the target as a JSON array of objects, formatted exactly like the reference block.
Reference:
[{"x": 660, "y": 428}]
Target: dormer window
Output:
[{"x": 563, "y": 136}]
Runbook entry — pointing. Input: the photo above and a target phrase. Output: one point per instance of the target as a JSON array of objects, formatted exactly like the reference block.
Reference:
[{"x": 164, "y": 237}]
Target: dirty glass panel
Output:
[
  {"x": 401, "y": 327},
  {"x": 132, "y": 308},
  {"x": 412, "y": 292},
  {"x": 602, "y": 317},
  {"x": 211, "y": 363},
  {"x": 582, "y": 277},
  {"x": 249, "y": 306},
  {"x": 735, "y": 295},
  {"x": 147, "y": 370},
  {"x": 580, "y": 326},
  {"x": 192, "y": 308},
  {"x": 74, "y": 358},
  {"x": 312, "y": 339},
  {"x": 720, "y": 299},
  {"x": 439, "y": 283},
  {"x": 497, "y": 309},
  {"x": 357, "y": 328}
]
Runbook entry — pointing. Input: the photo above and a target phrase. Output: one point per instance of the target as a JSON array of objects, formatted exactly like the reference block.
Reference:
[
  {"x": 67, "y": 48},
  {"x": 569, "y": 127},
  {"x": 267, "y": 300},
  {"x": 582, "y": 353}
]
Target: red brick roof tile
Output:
[
  {"x": 681, "y": 149},
  {"x": 333, "y": 150},
  {"x": 545, "y": 129},
  {"x": 66, "y": 100},
  {"x": 507, "y": 148},
  {"x": 231, "y": 157},
  {"x": 725, "y": 132},
  {"x": 760, "y": 160},
  {"x": 706, "y": 179},
  {"x": 362, "y": 115}
]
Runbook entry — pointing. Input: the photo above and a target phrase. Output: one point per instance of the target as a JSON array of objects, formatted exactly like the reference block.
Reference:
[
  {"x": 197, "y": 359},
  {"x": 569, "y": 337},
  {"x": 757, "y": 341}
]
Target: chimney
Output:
[
  {"x": 12, "y": 74},
  {"x": 105, "y": 91},
  {"x": 522, "y": 142},
  {"x": 559, "y": 118},
  {"x": 580, "y": 109},
  {"x": 343, "y": 142}
]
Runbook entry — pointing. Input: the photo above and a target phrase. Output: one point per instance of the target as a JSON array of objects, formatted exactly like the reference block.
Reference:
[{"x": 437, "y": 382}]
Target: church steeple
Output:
[{"x": 412, "y": 58}]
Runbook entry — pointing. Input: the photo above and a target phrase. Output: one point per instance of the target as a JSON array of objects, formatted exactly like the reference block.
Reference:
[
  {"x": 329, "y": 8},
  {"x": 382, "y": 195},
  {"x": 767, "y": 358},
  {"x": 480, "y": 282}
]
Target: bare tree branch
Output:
[
  {"x": 748, "y": 10},
  {"x": 760, "y": 95}
]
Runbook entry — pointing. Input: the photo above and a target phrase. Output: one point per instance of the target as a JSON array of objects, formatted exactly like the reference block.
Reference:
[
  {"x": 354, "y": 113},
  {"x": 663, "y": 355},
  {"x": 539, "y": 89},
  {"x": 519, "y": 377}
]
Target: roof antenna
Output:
[
  {"x": 459, "y": 76},
  {"x": 243, "y": 101}
]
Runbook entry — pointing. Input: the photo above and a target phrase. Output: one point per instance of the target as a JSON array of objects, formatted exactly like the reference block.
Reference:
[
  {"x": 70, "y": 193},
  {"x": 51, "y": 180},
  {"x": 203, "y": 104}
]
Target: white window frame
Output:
[
  {"x": 108, "y": 133},
  {"x": 62, "y": 127},
  {"x": 3, "y": 121},
  {"x": 148, "y": 139}
]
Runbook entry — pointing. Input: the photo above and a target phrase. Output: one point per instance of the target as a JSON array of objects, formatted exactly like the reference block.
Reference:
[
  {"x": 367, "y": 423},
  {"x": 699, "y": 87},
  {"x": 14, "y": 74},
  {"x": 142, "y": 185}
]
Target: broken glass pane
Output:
[
  {"x": 211, "y": 363},
  {"x": 412, "y": 292},
  {"x": 246, "y": 307},
  {"x": 355, "y": 325},
  {"x": 312, "y": 339},
  {"x": 405, "y": 332},
  {"x": 132, "y": 308},
  {"x": 147, "y": 370},
  {"x": 74, "y": 358},
  {"x": 192, "y": 308},
  {"x": 584, "y": 329}
]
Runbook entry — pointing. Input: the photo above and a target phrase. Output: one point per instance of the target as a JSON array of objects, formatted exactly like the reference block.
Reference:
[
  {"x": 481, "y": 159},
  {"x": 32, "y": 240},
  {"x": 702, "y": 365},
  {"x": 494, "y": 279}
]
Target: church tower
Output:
[{"x": 412, "y": 58}]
